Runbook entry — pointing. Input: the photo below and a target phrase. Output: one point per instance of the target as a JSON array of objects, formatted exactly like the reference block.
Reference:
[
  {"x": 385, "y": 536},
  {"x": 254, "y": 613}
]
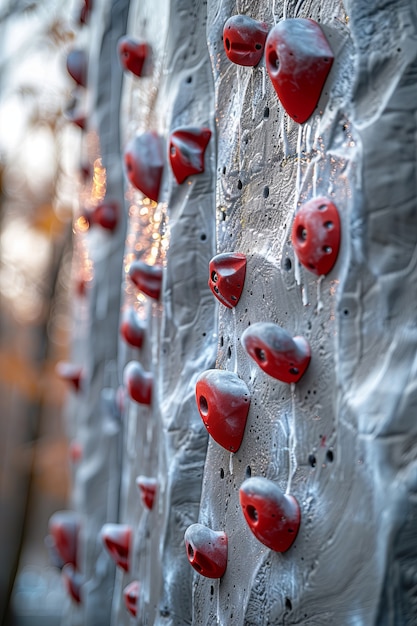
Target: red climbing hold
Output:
[
  {"x": 147, "y": 278},
  {"x": 223, "y": 401},
  {"x": 186, "y": 151},
  {"x": 106, "y": 215},
  {"x": 278, "y": 354},
  {"x": 64, "y": 527},
  {"x": 272, "y": 516},
  {"x": 71, "y": 373},
  {"x": 117, "y": 538},
  {"x": 85, "y": 11},
  {"x": 72, "y": 581},
  {"x": 298, "y": 60},
  {"x": 77, "y": 66},
  {"x": 147, "y": 487},
  {"x": 133, "y": 54},
  {"x": 132, "y": 329},
  {"x": 227, "y": 277},
  {"x": 244, "y": 39},
  {"x": 316, "y": 235},
  {"x": 131, "y": 597},
  {"x": 206, "y": 550},
  {"x": 144, "y": 163},
  {"x": 138, "y": 382}
]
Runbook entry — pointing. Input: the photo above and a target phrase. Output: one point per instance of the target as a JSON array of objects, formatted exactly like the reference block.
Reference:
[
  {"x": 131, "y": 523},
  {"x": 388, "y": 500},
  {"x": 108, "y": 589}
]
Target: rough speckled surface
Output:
[{"x": 342, "y": 439}]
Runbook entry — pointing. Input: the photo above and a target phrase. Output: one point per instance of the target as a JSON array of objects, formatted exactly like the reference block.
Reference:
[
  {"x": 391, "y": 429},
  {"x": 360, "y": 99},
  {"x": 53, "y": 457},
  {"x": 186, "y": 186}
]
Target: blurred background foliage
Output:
[{"x": 39, "y": 154}]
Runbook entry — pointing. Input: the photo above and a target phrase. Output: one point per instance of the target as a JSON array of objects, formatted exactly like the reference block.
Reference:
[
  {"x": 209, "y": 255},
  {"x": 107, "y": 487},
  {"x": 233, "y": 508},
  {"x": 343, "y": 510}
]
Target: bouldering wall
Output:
[{"x": 259, "y": 396}]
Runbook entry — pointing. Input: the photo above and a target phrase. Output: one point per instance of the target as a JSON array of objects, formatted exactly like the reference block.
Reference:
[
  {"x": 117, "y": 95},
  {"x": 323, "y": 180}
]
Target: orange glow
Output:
[{"x": 98, "y": 190}]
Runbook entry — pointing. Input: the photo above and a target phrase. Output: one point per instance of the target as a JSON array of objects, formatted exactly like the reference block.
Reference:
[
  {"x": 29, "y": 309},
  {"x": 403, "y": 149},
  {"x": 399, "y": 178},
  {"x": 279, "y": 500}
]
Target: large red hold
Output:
[
  {"x": 316, "y": 235},
  {"x": 227, "y": 273},
  {"x": 133, "y": 54},
  {"x": 273, "y": 517},
  {"x": 147, "y": 278},
  {"x": 298, "y": 60},
  {"x": 64, "y": 527},
  {"x": 131, "y": 597},
  {"x": 244, "y": 39},
  {"x": 117, "y": 539},
  {"x": 206, "y": 550},
  {"x": 144, "y": 161},
  {"x": 106, "y": 215},
  {"x": 138, "y": 382},
  {"x": 132, "y": 329},
  {"x": 186, "y": 151},
  {"x": 223, "y": 401},
  {"x": 147, "y": 487},
  {"x": 278, "y": 354}
]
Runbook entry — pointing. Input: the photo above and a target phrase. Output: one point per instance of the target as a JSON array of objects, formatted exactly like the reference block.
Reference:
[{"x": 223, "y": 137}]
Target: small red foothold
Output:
[
  {"x": 144, "y": 161},
  {"x": 117, "y": 538},
  {"x": 72, "y": 581},
  {"x": 75, "y": 451},
  {"x": 131, "y": 597},
  {"x": 106, "y": 215},
  {"x": 132, "y": 329},
  {"x": 71, "y": 373},
  {"x": 138, "y": 382},
  {"x": 223, "y": 401},
  {"x": 273, "y": 517},
  {"x": 316, "y": 235},
  {"x": 133, "y": 54},
  {"x": 278, "y": 354},
  {"x": 77, "y": 66},
  {"x": 85, "y": 11},
  {"x": 244, "y": 39},
  {"x": 227, "y": 277},
  {"x": 186, "y": 151},
  {"x": 298, "y": 60},
  {"x": 147, "y": 487},
  {"x": 206, "y": 550},
  {"x": 64, "y": 527},
  {"x": 147, "y": 278}
]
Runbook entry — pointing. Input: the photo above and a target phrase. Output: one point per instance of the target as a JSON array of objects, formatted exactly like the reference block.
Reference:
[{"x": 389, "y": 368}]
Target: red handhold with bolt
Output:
[
  {"x": 147, "y": 487},
  {"x": 227, "y": 273},
  {"x": 147, "y": 278},
  {"x": 278, "y": 354},
  {"x": 316, "y": 235},
  {"x": 298, "y": 60},
  {"x": 131, "y": 597},
  {"x": 138, "y": 383},
  {"x": 117, "y": 539},
  {"x": 244, "y": 39},
  {"x": 64, "y": 527},
  {"x": 273, "y": 517},
  {"x": 187, "y": 147},
  {"x": 132, "y": 329},
  {"x": 133, "y": 54},
  {"x": 72, "y": 582},
  {"x": 144, "y": 161},
  {"x": 106, "y": 215},
  {"x": 223, "y": 401},
  {"x": 206, "y": 550}
]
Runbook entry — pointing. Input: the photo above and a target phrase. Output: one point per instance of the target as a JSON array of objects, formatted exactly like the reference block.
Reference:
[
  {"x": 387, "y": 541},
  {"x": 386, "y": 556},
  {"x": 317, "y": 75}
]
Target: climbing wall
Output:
[{"x": 259, "y": 397}]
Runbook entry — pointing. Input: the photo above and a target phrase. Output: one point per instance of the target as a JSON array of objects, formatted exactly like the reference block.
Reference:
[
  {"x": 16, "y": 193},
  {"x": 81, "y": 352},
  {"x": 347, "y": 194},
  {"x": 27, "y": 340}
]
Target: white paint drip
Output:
[
  {"x": 292, "y": 465},
  {"x": 234, "y": 340},
  {"x": 231, "y": 463},
  {"x": 319, "y": 300},
  {"x": 304, "y": 295},
  {"x": 297, "y": 274}
]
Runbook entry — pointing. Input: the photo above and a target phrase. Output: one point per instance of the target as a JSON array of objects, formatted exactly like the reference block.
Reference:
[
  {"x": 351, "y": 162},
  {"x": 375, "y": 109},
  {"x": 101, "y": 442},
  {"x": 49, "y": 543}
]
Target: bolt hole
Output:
[
  {"x": 214, "y": 277},
  {"x": 330, "y": 456},
  {"x": 233, "y": 298},
  {"x": 227, "y": 44},
  {"x": 327, "y": 249},
  {"x": 190, "y": 551},
  {"x": 301, "y": 233},
  {"x": 229, "y": 352},
  {"x": 293, "y": 370},
  {"x": 258, "y": 46},
  {"x": 248, "y": 472},
  {"x": 221, "y": 473},
  {"x": 312, "y": 460},
  {"x": 288, "y": 604},
  {"x": 203, "y": 404},
  {"x": 203, "y": 237},
  {"x": 239, "y": 184},
  {"x": 328, "y": 225},
  {"x": 173, "y": 151},
  {"x": 252, "y": 513},
  {"x": 260, "y": 355},
  {"x": 266, "y": 113},
  {"x": 189, "y": 79},
  {"x": 266, "y": 192},
  {"x": 224, "y": 170},
  {"x": 287, "y": 264},
  {"x": 346, "y": 312},
  {"x": 211, "y": 590},
  {"x": 273, "y": 60},
  {"x": 322, "y": 207}
]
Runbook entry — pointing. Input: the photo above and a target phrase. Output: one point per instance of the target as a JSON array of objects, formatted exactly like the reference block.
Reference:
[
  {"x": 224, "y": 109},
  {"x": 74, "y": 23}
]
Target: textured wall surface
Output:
[{"x": 342, "y": 439}]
